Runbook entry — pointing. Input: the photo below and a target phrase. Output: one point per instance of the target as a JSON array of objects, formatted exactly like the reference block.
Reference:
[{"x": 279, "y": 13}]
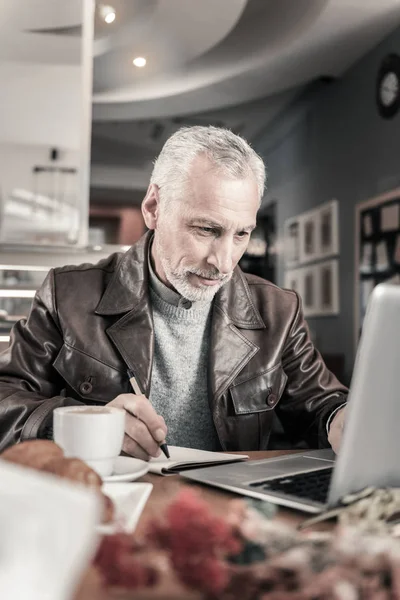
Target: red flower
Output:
[
  {"x": 197, "y": 542},
  {"x": 118, "y": 564}
]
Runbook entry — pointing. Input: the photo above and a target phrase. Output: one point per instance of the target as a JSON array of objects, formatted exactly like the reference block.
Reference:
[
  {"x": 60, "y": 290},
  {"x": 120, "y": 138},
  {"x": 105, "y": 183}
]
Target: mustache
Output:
[{"x": 210, "y": 274}]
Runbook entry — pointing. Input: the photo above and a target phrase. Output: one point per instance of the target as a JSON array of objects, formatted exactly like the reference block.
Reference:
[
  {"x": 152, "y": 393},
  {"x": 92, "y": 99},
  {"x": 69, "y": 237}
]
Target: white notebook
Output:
[{"x": 182, "y": 459}]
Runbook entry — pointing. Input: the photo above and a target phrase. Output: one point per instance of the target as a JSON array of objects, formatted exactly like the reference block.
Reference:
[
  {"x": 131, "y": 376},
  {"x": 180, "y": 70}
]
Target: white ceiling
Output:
[
  {"x": 236, "y": 63},
  {"x": 216, "y": 53}
]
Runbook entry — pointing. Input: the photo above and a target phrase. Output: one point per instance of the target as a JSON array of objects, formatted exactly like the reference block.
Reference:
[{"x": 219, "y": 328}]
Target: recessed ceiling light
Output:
[
  {"x": 107, "y": 13},
  {"x": 139, "y": 61},
  {"x": 110, "y": 18}
]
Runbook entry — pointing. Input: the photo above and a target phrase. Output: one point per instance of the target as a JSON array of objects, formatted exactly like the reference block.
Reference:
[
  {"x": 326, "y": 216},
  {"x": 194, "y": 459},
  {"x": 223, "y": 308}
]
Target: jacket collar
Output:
[
  {"x": 128, "y": 288},
  {"x": 235, "y": 301}
]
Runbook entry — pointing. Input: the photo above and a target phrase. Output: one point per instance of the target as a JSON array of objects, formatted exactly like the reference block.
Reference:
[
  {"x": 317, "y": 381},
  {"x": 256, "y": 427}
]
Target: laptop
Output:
[{"x": 315, "y": 480}]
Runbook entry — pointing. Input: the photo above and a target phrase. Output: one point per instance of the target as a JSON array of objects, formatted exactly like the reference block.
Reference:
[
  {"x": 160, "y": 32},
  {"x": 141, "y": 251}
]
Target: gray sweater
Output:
[{"x": 179, "y": 390}]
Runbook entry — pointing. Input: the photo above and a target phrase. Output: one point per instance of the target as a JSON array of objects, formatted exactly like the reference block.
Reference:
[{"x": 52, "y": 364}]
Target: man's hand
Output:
[
  {"x": 144, "y": 428},
  {"x": 336, "y": 429}
]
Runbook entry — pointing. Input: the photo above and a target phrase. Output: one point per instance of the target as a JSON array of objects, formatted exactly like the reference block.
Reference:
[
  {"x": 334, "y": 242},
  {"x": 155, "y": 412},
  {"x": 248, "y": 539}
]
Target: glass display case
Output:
[
  {"x": 18, "y": 284},
  {"x": 23, "y": 270}
]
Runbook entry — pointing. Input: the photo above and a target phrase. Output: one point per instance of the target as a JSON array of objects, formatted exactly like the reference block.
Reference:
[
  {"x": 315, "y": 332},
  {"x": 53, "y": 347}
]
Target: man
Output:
[{"x": 214, "y": 351}]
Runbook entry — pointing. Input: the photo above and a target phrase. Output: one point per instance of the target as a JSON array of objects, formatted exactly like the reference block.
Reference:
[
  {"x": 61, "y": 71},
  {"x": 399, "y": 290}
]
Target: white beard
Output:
[{"x": 180, "y": 280}]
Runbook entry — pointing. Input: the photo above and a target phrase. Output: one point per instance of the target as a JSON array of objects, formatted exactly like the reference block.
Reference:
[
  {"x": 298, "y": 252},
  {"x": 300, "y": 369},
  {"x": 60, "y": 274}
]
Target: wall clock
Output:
[{"x": 388, "y": 86}]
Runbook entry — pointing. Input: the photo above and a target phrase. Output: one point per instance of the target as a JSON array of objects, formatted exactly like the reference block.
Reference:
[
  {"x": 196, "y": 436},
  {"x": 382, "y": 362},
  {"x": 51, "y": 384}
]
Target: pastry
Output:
[
  {"x": 73, "y": 469},
  {"x": 46, "y": 456},
  {"x": 32, "y": 453}
]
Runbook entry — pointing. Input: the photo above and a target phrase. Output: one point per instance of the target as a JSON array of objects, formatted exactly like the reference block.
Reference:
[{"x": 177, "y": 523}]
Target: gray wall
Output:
[{"x": 332, "y": 143}]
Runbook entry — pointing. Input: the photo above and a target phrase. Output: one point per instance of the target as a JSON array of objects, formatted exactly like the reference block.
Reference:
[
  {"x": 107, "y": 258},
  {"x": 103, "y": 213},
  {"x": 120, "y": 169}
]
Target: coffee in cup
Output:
[{"x": 92, "y": 433}]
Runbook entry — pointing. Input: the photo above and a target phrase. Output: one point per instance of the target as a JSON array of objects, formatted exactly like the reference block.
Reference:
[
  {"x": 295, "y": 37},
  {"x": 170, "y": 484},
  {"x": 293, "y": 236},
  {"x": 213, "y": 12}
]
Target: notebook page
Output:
[{"x": 184, "y": 457}]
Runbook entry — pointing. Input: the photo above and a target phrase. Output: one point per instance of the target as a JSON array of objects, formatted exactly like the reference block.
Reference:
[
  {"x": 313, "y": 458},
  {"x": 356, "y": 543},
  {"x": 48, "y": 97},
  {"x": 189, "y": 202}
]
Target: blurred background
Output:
[{"x": 91, "y": 91}]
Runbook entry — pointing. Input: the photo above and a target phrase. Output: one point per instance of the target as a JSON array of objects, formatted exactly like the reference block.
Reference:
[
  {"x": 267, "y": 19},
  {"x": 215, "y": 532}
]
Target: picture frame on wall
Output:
[
  {"x": 310, "y": 291},
  {"x": 318, "y": 287},
  {"x": 328, "y": 229},
  {"x": 294, "y": 280},
  {"x": 328, "y": 287},
  {"x": 312, "y": 235},
  {"x": 311, "y": 250},
  {"x": 292, "y": 234},
  {"x": 309, "y": 237}
]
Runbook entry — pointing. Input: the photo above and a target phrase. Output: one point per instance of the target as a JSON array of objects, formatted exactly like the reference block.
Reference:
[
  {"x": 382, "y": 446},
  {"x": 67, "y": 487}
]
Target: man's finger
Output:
[
  {"x": 138, "y": 431},
  {"x": 142, "y": 423},
  {"x": 141, "y": 408},
  {"x": 132, "y": 448}
]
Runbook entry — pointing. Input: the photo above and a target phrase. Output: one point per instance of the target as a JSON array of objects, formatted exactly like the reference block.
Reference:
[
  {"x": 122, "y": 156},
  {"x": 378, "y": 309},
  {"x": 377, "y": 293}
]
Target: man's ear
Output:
[{"x": 151, "y": 206}]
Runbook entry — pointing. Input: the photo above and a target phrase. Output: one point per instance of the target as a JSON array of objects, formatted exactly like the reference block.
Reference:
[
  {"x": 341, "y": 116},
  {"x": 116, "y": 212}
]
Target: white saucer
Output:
[
  {"x": 129, "y": 501},
  {"x": 127, "y": 469}
]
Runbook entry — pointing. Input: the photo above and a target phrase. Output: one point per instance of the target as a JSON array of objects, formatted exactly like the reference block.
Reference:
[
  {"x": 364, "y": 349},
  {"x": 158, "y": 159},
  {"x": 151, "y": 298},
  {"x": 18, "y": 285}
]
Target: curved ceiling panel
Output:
[
  {"x": 272, "y": 48},
  {"x": 259, "y": 33},
  {"x": 264, "y": 28},
  {"x": 132, "y": 17},
  {"x": 169, "y": 34},
  {"x": 199, "y": 26},
  {"x": 244, "y": 88}
]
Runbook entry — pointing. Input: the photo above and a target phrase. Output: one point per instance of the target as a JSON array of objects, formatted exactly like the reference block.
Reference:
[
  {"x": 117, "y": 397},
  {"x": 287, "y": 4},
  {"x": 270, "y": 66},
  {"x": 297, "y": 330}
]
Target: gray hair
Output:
[{"x": 230, "y": 154}]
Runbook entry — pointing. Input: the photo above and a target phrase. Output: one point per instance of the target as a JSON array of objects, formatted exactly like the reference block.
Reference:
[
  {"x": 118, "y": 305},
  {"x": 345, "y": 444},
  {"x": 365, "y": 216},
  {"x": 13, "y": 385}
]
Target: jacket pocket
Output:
[
  {"x": 87, "y": 378},
  {"x": 260, "y": 393}
]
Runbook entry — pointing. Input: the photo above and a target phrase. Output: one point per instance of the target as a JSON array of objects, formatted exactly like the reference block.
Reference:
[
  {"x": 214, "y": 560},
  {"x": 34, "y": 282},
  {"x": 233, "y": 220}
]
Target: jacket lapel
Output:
[
  {"x": 230, "y": 349},
  {"x": 133, "y": 337},
  {"x": 133, "y": 333},
  {"x": 127, "y": 295}
]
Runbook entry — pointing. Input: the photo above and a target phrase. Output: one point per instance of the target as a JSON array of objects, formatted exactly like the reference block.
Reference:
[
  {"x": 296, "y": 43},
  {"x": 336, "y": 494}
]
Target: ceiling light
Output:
[
  {"x": 139, "y": 61},
  {"x": 110, "y": 17},
  {"x": 107, "y": 13}
]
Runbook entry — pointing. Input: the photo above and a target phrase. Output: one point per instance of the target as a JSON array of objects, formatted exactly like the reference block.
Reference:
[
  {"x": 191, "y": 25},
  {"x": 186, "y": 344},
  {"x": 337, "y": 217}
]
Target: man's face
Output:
[{"x": 199, "y": 239}]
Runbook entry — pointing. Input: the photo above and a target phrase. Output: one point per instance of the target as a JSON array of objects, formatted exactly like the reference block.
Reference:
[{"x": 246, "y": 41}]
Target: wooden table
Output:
[{"x": 164, "y": 490}]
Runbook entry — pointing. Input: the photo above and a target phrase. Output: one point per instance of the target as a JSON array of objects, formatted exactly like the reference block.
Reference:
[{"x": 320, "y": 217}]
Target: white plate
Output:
[
  {"x": 127, "y": 469},
  {"x": 129, "y": 501}
]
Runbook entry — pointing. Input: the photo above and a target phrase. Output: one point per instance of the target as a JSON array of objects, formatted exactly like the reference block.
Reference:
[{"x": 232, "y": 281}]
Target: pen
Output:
[{"x": 138, "y": 392}]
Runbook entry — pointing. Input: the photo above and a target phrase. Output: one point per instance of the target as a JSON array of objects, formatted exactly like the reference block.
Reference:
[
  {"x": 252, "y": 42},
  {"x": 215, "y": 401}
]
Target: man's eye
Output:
[
  {"x": 243, "y": 234},
  {"x": 207, "y": 230}
]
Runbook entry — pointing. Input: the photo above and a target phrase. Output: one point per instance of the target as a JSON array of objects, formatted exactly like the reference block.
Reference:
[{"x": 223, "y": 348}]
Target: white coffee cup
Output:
[{"x": 92, "y": 433}]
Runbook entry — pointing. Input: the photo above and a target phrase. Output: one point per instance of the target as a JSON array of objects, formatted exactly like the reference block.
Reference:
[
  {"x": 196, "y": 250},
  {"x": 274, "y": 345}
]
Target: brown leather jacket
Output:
[{"x": 89, "y": 323}]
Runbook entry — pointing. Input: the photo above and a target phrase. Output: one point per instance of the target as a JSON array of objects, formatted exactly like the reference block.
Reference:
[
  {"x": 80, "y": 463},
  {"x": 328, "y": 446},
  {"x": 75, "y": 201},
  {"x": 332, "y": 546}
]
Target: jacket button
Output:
[
  {"x": 85, "y": 388},
  {"x": 271, "y": 400}
]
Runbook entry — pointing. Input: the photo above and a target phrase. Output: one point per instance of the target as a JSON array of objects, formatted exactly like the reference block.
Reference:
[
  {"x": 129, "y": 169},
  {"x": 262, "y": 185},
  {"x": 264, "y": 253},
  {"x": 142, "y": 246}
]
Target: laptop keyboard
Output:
[{"x": 313, "y": 485}]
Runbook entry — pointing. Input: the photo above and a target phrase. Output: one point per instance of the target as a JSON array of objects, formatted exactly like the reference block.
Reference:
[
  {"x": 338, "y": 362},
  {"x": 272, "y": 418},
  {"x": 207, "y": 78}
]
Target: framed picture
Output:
[
  {"x": 328, "y": 287},
  {"x": 310, "y": 291},
  {"x": 318, "y": 286},
  {"x": 377, "y": 254},
  {"x": 312, "y": 236},
  {"x": 328, "y": 229},
  {"x": 294, "y": 280},
  {"x": 309, "y": 237},
  {"x": 291, "y": 237}
]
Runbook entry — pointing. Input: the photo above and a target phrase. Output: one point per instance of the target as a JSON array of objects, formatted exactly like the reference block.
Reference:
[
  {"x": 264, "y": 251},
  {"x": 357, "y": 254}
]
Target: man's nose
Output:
[{"x": 221, "y": 257}]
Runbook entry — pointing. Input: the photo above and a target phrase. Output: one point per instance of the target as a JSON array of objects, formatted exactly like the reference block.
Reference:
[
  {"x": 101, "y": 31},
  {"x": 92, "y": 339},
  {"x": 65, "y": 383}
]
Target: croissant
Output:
[
  {"x": 33, "y": 453},
  {"x": 46, "y": 456},
  {"x": 73, "y": 469}
]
